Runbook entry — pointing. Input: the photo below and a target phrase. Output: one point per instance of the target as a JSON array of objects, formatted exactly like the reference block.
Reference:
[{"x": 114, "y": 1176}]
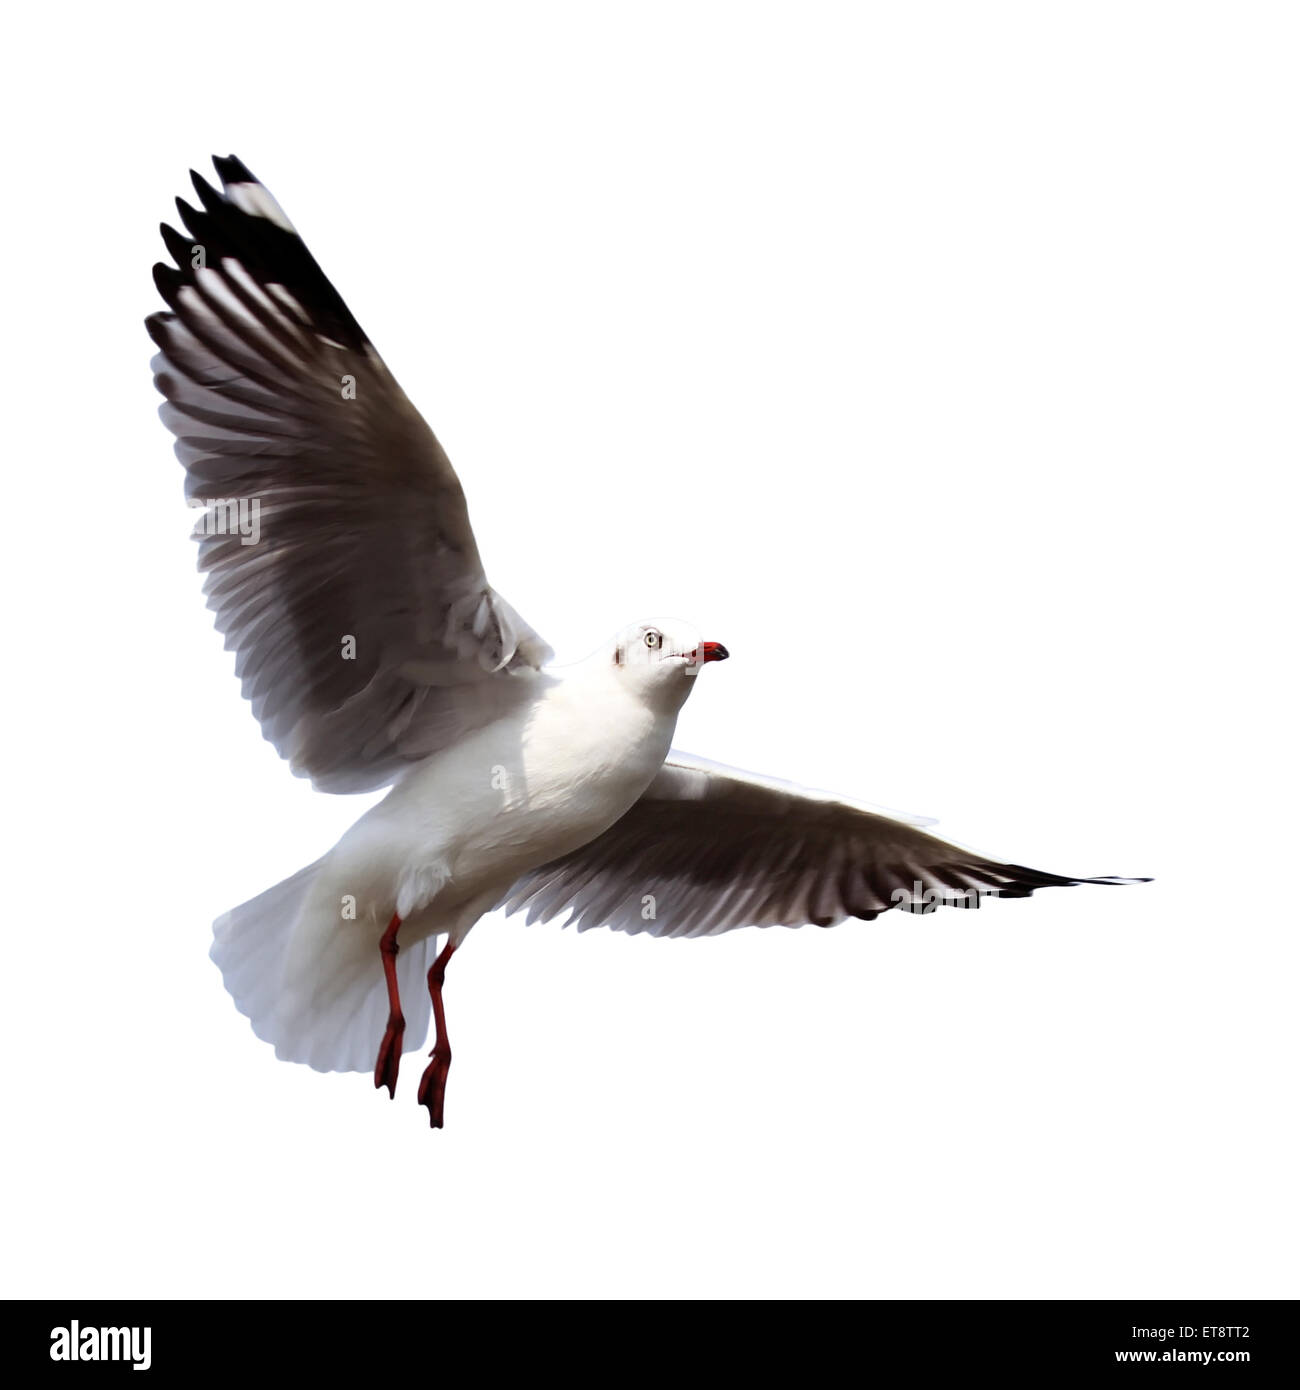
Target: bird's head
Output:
[{"x": 661, "y": 656}]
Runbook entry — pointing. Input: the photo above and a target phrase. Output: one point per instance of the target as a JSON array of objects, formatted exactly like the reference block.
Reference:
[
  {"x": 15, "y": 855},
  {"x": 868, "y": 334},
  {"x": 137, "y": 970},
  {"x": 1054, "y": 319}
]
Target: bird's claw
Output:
[
  {"x": 433, "y": 1085},
  {"x": 390, "y": 1056}
]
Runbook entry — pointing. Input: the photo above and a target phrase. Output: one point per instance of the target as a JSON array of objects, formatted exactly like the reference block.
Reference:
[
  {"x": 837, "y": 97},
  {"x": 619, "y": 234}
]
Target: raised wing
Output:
[
  {"x": 341, "y": 564},
  {"x": 708, "y": 848}
]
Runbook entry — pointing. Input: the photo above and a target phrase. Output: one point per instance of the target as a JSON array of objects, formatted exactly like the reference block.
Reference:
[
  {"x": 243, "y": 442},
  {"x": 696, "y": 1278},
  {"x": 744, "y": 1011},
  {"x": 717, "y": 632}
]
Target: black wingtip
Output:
[
  {"x": 232, "y": 169},
  {"x": 168, "y": 281},
  {"x": 249, "y": 232},
  {"x": 180, "y": 248},
  {"x": 208, "y": 195}
]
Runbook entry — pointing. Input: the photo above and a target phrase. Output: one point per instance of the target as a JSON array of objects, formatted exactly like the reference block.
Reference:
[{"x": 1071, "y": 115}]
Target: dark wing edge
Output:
[{"x": 708, "y": 849}]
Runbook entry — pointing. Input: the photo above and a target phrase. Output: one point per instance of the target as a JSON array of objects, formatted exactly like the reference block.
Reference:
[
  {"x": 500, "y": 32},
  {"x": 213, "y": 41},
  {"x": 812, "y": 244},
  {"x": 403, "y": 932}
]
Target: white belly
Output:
[{"x": 463, "y": 826}]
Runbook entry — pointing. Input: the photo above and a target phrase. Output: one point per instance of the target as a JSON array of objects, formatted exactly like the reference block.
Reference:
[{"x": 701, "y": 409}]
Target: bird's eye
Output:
[{"x": 653, "y": 638}]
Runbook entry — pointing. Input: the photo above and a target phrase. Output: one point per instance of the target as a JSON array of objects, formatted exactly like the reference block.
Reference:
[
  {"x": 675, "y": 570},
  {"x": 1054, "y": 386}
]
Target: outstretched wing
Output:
[
  {"x": 340, "y": 561},
  {"x": 708, "y": 848}
]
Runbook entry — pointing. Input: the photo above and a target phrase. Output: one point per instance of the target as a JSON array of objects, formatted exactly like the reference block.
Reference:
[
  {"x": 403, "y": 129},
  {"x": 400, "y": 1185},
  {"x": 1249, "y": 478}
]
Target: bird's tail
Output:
[{"x": 311, "y": 982}]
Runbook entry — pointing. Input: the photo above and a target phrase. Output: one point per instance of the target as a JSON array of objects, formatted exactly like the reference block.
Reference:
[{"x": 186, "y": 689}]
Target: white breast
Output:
[{"x": 516, "y": 794}]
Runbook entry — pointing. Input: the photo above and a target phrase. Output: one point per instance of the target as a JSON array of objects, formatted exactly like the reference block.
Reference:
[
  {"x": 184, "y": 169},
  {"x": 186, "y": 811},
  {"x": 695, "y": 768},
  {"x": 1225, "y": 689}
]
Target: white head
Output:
[{"x": 662, "y": 657}]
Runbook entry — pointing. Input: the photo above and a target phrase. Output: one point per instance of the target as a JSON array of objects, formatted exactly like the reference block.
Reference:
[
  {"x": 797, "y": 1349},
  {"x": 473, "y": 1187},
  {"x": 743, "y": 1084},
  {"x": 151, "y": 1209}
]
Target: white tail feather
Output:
[{"x": 313, "y": 985}]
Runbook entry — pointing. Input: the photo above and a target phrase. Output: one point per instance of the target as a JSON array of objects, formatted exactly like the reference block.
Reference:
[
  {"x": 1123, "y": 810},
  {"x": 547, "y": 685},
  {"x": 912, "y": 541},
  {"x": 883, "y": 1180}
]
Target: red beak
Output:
[{"x": 713, "y": 651}]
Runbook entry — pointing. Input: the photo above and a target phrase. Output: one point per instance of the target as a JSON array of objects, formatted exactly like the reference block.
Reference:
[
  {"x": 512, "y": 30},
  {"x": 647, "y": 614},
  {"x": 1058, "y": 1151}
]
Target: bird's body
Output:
[
  {"x": 544, "y": 779},
  {"x": 375, "y": 653},
  {"x": 566, "y": 760}
]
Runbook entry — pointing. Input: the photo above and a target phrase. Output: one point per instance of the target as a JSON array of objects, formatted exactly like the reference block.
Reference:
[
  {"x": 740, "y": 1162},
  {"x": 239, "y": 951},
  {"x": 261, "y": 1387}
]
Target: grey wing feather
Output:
[
  {"x": 366, "y": 632},
  {"x": 708, "y": 848}
]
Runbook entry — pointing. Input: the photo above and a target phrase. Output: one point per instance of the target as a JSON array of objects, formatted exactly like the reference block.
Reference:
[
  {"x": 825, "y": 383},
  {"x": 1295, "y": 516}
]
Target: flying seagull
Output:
[{"x": 344, "y": 574}]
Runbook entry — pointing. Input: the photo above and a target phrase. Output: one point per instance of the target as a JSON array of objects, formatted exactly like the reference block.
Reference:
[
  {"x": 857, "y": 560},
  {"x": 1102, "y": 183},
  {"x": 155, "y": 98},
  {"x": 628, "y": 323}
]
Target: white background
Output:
[{"x": 941, "y": 360}]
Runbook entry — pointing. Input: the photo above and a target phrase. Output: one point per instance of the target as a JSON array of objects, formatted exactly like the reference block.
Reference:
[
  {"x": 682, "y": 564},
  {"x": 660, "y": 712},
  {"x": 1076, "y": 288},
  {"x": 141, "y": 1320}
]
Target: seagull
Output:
[{"x": 343, "y": 572}]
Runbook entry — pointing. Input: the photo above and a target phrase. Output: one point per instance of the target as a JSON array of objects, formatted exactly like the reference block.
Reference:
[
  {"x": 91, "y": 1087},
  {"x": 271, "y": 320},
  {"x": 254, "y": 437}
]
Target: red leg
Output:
[
  {"x": 390, "y": 1050},
  {"x": 434, "y": 1081}
]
